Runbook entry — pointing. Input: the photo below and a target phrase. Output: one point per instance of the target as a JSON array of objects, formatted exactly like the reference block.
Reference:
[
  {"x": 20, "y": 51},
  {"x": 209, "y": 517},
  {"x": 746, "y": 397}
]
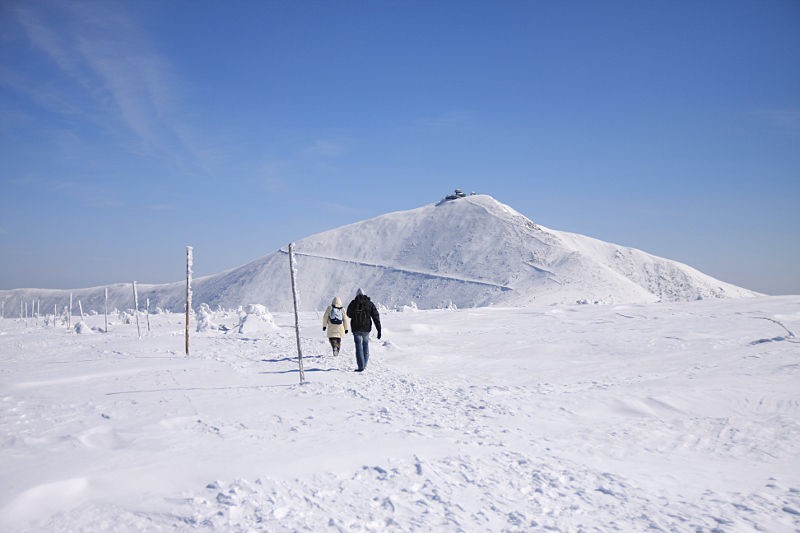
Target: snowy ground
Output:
[{"x": 667, "y": 416}]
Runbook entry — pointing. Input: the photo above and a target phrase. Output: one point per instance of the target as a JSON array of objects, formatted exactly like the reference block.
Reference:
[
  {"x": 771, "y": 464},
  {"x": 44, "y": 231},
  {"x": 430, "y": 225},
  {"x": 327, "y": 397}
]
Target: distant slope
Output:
[{"x": 469, "y": 252}]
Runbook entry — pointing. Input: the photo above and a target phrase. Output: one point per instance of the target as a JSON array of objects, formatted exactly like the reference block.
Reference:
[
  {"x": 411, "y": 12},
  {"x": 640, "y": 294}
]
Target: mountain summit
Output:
[{"x": 469, "y": 251}]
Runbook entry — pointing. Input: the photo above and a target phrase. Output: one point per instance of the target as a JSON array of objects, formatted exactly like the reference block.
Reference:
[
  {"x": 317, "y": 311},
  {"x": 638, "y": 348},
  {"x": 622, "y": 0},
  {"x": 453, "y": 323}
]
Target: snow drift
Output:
[{"x": 468, "y": 252}]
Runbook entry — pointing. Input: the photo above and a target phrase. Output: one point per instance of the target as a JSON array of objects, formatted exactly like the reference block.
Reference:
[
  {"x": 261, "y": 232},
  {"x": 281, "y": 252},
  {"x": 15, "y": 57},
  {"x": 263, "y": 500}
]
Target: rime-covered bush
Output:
[
  {"x": 204, "y": 318},
  {"x": 82, "y": 328},
  {"x": 255, "y": 318},
  {"x": 410, "y": 308}
]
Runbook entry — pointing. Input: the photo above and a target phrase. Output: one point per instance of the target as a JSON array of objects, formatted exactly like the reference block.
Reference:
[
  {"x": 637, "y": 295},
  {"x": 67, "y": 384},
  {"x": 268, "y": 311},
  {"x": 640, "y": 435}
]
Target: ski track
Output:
[{"x": 483, "y": 467}]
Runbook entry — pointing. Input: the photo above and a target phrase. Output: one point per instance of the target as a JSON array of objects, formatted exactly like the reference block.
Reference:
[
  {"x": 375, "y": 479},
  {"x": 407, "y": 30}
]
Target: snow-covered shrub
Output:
[
  {"x": 255, "y": 318},
  {"x": 83, "y": 328},
  {"x": 204, "y": 322},
  {"x": 258, "y": 310},
  {"x": 410, "y": 308}
]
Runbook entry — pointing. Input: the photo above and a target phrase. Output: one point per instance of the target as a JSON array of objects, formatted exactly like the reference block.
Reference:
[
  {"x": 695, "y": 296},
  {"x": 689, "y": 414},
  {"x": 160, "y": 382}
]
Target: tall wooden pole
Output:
[
  {"x": 136, "y": 309},
  {"x": 189, "y": 261},
  {"x": 293, "y": 270},
  {"x": 105, "y": 305}
]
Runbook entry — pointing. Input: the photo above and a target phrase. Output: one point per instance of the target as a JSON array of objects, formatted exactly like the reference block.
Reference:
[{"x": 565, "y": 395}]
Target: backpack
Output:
[
  {"x": 335, "y": 316},
  {"x": 360, "y": 318}
]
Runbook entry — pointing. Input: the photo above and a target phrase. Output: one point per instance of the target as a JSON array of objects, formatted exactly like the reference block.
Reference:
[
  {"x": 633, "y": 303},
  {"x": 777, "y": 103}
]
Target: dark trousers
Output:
[{"x": 336, "y": 344}]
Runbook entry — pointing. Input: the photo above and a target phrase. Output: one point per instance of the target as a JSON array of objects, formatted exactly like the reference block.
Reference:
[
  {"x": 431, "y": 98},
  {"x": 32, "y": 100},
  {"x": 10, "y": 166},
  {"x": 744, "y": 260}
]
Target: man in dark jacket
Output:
[{"x": 362, "y": 313}]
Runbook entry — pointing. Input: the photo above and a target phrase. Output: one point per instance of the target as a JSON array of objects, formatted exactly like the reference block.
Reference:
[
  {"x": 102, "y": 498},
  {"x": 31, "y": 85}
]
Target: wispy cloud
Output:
[
  {"x": 114, "y": 73},
  {"x": 328, "y": 148}
]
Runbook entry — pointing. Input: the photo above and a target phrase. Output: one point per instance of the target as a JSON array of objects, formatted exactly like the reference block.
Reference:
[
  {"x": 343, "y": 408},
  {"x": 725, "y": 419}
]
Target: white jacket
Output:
[{"x": 335, "y": 330}]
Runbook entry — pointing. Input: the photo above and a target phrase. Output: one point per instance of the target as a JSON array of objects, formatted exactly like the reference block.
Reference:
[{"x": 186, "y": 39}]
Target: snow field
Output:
[{"x": 678, "y": 416}]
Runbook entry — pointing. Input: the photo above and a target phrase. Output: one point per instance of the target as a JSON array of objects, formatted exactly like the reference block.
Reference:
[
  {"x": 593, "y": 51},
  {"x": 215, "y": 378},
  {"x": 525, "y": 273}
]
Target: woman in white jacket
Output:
[{"x": 337, "y": 323}]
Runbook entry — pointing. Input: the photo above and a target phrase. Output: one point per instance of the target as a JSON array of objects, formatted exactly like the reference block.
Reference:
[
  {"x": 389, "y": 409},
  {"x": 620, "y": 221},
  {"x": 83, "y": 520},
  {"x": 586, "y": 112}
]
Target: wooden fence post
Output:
[
  {"x": 136, "y": 309},
  {"x": 293, "y": 270},
  {"x": 147, "y": 314},
  {"x": 189, "y": 264}
]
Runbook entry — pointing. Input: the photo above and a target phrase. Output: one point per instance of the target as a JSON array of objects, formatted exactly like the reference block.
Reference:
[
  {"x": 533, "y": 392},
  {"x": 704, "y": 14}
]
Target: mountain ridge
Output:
[{"x": 467, "y": 252}]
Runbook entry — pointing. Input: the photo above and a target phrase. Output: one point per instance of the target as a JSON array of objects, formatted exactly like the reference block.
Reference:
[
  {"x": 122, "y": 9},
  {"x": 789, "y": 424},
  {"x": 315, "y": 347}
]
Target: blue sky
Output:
[{"x": 129, "y": 130}]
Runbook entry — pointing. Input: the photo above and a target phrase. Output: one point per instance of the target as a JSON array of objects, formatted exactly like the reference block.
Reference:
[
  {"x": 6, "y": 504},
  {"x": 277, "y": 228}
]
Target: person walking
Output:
[
  {"x": 363, "y": 313},
  {"x": 336, "y": 323}
]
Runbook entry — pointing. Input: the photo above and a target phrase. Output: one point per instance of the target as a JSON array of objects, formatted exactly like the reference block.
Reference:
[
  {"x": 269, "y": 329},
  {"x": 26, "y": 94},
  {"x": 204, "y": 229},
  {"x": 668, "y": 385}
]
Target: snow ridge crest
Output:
[{"x": 471, "y": 251}]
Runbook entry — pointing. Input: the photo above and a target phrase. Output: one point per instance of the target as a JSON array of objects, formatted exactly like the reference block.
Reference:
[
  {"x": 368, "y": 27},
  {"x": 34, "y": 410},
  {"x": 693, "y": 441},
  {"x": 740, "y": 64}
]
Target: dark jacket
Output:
[{"x": 363, "y": 313}]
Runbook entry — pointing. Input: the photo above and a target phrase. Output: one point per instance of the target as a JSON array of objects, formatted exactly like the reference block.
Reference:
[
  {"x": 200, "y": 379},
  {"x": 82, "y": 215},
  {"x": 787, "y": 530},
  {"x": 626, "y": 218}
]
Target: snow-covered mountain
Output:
[{"x": 468, "y": 252}]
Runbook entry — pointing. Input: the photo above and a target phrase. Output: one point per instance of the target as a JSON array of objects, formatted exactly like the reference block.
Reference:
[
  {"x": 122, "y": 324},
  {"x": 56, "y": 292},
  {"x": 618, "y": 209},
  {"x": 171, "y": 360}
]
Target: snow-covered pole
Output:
[
  {"x": 38, "y": 310},
  {"x": 26, "y": 314},
  {"x": 69, "y": 313},
  {"x": 147, "y": 314},
  {"x": 3, "y": 309},
  {"x": 136, "y": 309},
  {"x": 55, "y": 312},
  {"x": 189, "y": 264},
  {"x": 105, "y": 307},
  {"x": 293, "y": 271},
  {"x": 80, "y": 308}
]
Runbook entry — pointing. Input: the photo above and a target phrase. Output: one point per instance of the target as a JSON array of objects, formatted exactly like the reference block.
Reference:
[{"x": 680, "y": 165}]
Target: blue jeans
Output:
[{"x": 362, "y": 348}]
